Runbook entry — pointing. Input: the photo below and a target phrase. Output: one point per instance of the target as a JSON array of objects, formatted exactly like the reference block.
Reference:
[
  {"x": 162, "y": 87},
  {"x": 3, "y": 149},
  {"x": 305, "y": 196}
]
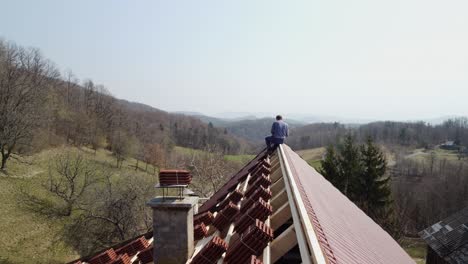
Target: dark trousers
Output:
[{"x": 272, "y": 142}]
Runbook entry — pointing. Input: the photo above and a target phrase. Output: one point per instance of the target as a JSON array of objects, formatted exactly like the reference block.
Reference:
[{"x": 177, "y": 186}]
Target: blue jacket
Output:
[{"x": 279, "y": 129}]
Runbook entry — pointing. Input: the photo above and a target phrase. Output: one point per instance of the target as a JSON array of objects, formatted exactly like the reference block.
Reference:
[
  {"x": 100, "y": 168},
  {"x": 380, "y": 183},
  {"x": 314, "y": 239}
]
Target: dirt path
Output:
[
  {"x": 417, "y": 153},
  {"x": 24, "y": 175}
]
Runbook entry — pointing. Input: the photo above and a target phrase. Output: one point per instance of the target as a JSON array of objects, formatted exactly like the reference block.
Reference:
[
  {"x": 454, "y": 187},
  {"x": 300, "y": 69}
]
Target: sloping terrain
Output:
[{"x": 30, "y": 238}]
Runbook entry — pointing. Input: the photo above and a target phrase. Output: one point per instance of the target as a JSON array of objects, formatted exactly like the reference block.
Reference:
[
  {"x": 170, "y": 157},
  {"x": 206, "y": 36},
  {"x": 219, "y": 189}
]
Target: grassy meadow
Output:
[
  {"x": 312, "y": 156},
  {"x": 241, "y": 159},
  {"x": 416, "y": 248}
]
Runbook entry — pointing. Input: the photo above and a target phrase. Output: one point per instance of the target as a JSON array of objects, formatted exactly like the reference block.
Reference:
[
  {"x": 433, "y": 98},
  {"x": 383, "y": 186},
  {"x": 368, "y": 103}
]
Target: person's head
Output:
[{"x": 279, "y": 117}]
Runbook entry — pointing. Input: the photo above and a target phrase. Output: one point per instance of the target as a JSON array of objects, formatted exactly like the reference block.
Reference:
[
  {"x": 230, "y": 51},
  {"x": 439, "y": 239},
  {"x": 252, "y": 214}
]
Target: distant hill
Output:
[
  {"x": 185, "y": 130},
  {"x": 304, "y": 118},
  {"x": 251, "y": 128},
  {"x": 256, "y": 129},
  {"x": 309, "y": 131},
  {"x": 188, "y": 113},
  {"x": 311, "y": 119},
  {"x": 218, "y": 122},
  {"x": 242, "y": 115}
]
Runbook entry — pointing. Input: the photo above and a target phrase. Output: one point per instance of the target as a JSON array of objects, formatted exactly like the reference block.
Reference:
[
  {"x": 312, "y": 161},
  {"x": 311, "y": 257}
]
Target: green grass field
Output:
[
  {"x": 25, "y": 236},
  {"x": 416, "y": 248},
  {"x": 243, "y": 159},
  {"x": 312, "y": 156},
  {"x": 439, "y": 154}
]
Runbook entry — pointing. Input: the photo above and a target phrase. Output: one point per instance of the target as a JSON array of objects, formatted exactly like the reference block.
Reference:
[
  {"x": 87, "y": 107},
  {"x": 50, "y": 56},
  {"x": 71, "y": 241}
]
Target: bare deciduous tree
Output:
[
  {"x": 115, "y": 211},
  {"x": 70, "y": 176},
  {"x": 155, "y": 156},
  {"x": 24, "y": 75},
  {"x": 210, "y": 170}
]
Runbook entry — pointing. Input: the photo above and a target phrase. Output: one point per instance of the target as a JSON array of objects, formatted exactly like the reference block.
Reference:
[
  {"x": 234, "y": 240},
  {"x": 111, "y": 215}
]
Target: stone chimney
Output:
[{"x": 173, "y": 228}]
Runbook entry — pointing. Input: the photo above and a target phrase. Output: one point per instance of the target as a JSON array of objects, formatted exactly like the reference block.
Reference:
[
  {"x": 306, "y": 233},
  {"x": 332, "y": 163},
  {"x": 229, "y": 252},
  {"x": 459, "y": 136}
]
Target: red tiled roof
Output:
[
  {"x": 133, "y": 247},
  {"x": 104, "y": 257},
  {"x": 234, "y": 197},
  {"x": 146, "y": 255},
  {"x": 226, "y": 216},
  {"x": 130, "y": 248},
  {"x": 206, "y": 218},
  {"x": 199, "y": 231},
  {"x": 262, "y": 180},
  {"x": 259, "y": 192},
  {"x": 211, "y": 252},
  {"x": 345, "y": 233},
  {"x": 122, "y": 259},
  {"x": 261, "y": 210},
  {"x": 251, "y": 242}
]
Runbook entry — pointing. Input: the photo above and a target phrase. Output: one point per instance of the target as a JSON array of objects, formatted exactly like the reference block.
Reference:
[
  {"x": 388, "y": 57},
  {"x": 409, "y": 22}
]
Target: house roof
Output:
[
  {"x": 279, "y": 206},
  {"x": 449, "y": 237},
  {"x": 346, "y": 234}
]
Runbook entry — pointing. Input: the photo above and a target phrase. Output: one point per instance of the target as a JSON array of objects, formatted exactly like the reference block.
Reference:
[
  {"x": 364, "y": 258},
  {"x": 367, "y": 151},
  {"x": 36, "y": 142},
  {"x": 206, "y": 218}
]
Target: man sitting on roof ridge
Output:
[{"x": 279, "y": 131}]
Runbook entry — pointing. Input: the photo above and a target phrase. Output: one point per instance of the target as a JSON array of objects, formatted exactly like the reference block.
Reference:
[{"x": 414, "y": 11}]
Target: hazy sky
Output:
[{"x": 399, "y": 59}]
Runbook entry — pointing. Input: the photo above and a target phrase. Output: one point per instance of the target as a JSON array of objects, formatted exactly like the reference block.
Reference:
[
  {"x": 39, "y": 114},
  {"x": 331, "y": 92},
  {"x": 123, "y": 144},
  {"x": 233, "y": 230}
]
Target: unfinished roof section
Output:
[{"x": 449, "y": 237}]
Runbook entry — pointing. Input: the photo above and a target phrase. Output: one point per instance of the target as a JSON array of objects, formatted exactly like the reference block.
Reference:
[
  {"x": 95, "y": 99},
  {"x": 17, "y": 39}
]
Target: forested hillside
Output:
[
  {"x": 257, "y": 129},
  {"x": 41, "y": 108},
  {"x": 249, "y": 128}
]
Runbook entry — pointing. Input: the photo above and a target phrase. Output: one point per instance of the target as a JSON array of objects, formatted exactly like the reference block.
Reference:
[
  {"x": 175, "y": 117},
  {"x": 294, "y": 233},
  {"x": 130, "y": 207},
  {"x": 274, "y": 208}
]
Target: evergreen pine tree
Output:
[
  {"x": 330, "y": 168},
  {"x": 350, "y": 166},
  {"x": 372, "y": 188},
  {"x": 359, "y": 173}
]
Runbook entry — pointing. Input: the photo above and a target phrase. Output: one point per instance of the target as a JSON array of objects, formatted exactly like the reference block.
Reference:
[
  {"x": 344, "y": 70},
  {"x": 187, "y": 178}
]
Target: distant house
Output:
[
  {"x": 449, "y": 145},
  {"x": 447, "y": 240}
]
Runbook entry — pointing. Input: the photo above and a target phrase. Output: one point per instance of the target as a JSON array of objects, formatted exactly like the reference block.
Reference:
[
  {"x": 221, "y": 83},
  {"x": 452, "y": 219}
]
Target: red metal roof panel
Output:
[{"x": 346, "y": 234}]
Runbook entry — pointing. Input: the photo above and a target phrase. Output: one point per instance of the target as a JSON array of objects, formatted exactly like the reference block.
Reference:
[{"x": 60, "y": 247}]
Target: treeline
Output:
[
  {"x": 414, "y": 134},
  {"x": 41, "y": 108},
  {"x": 405, "y": 197}
]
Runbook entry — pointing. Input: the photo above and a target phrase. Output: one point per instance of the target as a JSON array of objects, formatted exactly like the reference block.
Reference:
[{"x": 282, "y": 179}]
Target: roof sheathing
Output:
[{"x": 346, "y": 234}]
